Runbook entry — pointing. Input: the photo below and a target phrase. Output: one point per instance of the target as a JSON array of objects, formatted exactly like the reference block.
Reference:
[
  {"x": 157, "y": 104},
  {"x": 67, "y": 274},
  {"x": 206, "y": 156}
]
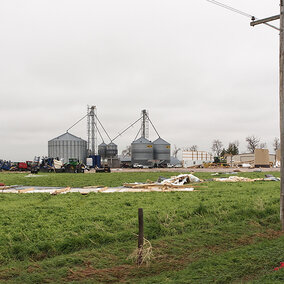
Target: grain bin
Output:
[
  {"x": 162, "y": 150},
  {"x": 102, "y": 150},
  {"x": 68, "y": 146},
  {"x": 142, "y": 152},
  {"x": 111, "y": 150}
]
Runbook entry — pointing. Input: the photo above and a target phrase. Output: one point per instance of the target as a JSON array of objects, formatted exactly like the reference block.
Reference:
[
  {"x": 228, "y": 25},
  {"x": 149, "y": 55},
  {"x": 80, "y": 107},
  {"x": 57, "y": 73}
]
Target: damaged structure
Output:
[{"x": 260, "y": 158}]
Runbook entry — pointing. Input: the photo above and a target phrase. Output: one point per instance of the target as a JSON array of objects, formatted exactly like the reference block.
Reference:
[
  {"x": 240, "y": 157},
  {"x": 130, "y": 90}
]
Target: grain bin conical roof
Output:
[
  {"x": 67, "y": 137},
  {"x": 161, "y": 141},
  {"x": 141, "y": 140}
]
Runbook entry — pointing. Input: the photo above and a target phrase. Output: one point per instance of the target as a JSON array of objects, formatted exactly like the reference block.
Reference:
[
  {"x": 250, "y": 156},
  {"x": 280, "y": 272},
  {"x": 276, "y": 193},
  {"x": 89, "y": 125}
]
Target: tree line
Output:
[{"x": 252, "y": 141}]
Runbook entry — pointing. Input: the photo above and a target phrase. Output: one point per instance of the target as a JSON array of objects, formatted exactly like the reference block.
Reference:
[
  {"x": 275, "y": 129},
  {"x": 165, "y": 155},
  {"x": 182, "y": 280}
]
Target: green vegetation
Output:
[
  {"x": 79, "y": 180},
  {"x": 222, "y": 233},
  {"x": 104, "y": 179}
]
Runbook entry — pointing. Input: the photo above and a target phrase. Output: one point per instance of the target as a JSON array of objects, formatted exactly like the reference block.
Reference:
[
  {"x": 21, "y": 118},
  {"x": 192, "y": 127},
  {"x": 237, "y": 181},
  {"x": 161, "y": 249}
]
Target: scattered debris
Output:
[
  {"x": 244, "y": 179},
  {"x": 247, "y": 166},
  {"x": 281, "y": 266},
  {"x": 25, "y": 190},
  {"x": 61, "y": 190},
  {"x": 181, "y": 179},
  {"x": 147, "y": 253},
  {"x": 92, "y": 186},
  {"x": 33, "y": 175},
  {"x": 175, "y": 183},
  {"x": 271, "y": 178}
]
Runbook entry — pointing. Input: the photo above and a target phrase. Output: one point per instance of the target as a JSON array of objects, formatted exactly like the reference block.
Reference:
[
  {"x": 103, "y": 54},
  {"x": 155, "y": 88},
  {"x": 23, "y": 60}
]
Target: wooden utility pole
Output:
[{"x": 281, "y": 99}]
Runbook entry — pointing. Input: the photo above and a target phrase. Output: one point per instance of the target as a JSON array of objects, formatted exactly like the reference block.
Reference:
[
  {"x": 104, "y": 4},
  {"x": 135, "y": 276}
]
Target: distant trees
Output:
[
  {"x": 193, "y": 148},
  {"x": 252, "y": 143},
  {"x": 262, "y": 145},
  {"x": 276, "y": 144},
  {"x": 175, "y": 151},
  {"x": 127, "y": 151},
  {"x": 232, "y": 149},
  {"x": 216, "y": 148}
]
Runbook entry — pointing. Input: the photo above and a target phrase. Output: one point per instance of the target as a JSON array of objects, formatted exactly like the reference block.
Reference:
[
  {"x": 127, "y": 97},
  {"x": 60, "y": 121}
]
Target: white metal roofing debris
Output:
[
  {"x": 181, "y": 179},
  {"x": 243, "y": 179},
  {"x": 56, "y": 190}
]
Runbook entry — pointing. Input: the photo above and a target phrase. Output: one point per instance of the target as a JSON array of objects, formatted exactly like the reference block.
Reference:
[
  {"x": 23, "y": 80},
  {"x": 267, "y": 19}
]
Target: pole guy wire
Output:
[{"x": 253, "y": 18}]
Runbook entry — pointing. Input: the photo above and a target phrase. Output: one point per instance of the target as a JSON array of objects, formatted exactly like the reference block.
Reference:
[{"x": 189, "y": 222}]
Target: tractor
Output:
[{"x": 74, "y": 166}]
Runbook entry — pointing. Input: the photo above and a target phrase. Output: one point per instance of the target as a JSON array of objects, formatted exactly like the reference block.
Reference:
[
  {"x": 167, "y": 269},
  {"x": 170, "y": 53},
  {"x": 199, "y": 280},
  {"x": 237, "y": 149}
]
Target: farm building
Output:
[
  {"x": 260, "y": 158},
  {"x": 195, "y": 158}
]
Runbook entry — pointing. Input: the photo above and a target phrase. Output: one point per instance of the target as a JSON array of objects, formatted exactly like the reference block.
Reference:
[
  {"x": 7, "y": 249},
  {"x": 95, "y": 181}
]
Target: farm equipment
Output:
[
  {"x": 104, "y": 169},
  {"x": 20, "y": 166},
  {"x": 49, "y": 165},
  {"x": 74, "y": 166},
  {"x": 35, "y": 165},
  {"x": 5, "y": 165}
]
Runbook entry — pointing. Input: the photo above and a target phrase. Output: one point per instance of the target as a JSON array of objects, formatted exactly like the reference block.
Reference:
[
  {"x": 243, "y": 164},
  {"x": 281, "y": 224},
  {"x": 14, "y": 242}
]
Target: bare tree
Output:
[
  {"x": 263, "y": 145},
  {"x": 217, "y": 147},
  {"x": 276, "y": 144},
  {"x": 253, "y": 143},
  {"x": 175, "y": 151},
  {"x": 127, "y": 151},
  {"x": 193, "y": 148}
]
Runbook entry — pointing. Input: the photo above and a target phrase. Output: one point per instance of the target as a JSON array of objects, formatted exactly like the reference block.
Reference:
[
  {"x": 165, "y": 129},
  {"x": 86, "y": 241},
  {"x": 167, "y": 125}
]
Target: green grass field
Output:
[{"x": 222, "y": 233}]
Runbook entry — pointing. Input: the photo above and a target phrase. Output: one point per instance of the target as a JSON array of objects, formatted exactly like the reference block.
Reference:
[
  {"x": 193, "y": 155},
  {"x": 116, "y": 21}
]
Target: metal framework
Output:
[
  {"x": 145, "y": 124},
  {"x": 92, "y": 130}
]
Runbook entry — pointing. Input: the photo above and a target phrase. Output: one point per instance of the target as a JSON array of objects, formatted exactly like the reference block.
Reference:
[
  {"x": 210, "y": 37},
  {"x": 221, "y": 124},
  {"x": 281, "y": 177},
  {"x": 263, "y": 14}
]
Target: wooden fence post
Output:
[{"x": 140, "y": 236}]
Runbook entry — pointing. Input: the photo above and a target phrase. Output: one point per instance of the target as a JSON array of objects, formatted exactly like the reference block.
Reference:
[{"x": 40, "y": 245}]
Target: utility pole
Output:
[{"x": 281, "y": 99}]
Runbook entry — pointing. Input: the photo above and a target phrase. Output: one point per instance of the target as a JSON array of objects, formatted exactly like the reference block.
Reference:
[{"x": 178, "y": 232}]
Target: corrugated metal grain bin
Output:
[
  {"x": 162, "y": 150},
  {"x": 67, "y": 146},
  {"x": 142, "y": 151},
  {"x": 111, "y": 150},
  {"x": 102, "y": 150}
]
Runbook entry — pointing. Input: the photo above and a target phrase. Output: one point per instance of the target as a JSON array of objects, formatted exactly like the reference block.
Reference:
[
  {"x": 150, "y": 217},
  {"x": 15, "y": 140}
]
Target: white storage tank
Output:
[{"x": 68, "y": 146}]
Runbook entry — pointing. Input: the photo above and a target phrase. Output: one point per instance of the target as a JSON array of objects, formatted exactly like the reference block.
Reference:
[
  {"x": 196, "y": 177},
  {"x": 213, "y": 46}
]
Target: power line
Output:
[
  {"x": 153, "y": 125},
  {"x": 230, "y": 8},
  {"x": 119, "y": 134},
  {"x": 253, "y": 18},
  {"x": 76, "y": 123}
]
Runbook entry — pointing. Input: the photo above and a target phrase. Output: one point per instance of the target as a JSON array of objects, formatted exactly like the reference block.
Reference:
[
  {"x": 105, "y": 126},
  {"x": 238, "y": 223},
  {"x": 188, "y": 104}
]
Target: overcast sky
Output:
[{"x": 201, "y": 71}]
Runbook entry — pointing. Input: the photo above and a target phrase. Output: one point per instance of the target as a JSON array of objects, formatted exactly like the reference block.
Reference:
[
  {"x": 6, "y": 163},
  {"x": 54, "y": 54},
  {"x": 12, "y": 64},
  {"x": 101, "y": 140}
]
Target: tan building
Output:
[{"x": 261, "y": 158}]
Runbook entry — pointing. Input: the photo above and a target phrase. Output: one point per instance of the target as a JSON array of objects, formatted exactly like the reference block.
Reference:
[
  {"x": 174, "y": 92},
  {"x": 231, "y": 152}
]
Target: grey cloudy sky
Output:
[{"x": 201, "y": 71}]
